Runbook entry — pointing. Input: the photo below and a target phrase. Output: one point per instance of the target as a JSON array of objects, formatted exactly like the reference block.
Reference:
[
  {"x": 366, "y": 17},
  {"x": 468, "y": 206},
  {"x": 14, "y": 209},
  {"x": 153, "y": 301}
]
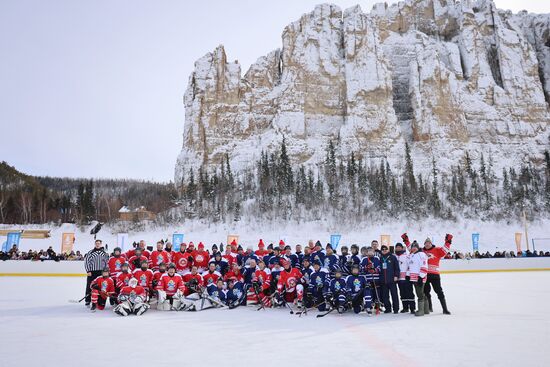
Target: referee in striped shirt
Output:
[{"x": 94, "y": 262}]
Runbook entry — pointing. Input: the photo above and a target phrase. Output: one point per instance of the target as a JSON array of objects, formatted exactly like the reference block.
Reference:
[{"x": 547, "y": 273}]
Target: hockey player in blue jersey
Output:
[
  {"x": 222, "y": 266},
  {"x": 355, "y": 287},
  {"x": 217, "y": 291},
  {"x": 317, "y": 287},
  {"x": 370, "y": 267},
  {"x": 235, "y": 295},
  {"x": 297, "y": 257},
  {"x": 336, "y": 294},
  {"x": 317, "y": 254},
  {"x": 331, "y": 260},
  {"x": 343, "y": 259}
]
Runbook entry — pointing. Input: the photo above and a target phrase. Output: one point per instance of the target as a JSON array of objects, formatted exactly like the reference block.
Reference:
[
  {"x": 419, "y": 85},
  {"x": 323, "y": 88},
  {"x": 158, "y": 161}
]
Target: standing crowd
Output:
[{"x": 367, "y": 279}]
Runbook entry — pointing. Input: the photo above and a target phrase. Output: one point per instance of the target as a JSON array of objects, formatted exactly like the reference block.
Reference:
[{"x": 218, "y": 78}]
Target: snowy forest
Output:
[
  {"x": 343, "y": 190},
  {"x": 350, "y": 190},
  {"x": 30, "y": 199}
]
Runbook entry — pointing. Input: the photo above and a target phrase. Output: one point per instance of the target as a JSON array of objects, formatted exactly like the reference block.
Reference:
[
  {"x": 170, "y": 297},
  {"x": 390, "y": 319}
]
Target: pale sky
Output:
[{"x": 94, "y": 88}]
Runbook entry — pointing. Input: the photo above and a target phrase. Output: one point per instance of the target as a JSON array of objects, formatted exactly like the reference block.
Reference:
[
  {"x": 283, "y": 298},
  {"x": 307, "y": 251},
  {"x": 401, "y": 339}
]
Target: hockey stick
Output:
[
  {"x": 80, "y": 300},
  {"x": 377, "y": 303},
  {"x": 305, "y": 310},
  {"x": 326, "y": 313}
]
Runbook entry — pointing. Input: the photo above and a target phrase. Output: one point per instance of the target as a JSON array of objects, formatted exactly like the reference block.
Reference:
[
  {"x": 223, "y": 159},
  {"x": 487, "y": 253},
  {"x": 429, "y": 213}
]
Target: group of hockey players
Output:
[{"x": 367, "y": 279}]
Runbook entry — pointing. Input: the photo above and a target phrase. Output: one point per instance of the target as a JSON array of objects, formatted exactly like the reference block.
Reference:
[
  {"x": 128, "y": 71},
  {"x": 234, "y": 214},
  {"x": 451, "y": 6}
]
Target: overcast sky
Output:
[{"x": 94, "y": 88}]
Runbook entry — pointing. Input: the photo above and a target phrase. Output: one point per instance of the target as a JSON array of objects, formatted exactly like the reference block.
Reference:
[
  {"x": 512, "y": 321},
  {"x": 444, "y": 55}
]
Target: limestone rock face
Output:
[{"x": 445, "y": 77}]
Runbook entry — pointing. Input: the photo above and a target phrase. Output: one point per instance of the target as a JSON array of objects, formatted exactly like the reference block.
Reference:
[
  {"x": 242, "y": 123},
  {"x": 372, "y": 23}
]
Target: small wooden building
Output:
[{"x": 137, "y": 214}]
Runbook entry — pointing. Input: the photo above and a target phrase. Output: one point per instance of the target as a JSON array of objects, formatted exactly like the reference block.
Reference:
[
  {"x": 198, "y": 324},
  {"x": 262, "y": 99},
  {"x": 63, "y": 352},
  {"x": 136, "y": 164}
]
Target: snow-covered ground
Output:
[{"x": 499, "y": 319}]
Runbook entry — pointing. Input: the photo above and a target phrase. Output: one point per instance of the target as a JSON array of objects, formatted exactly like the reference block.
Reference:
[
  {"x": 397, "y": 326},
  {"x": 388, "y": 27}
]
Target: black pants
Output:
[
  {"x": 89, "y": 280},
  {"x": 386, "y": 290},
  {"x": 407, "y": 294},
  {"x": 434, "y": 280}
]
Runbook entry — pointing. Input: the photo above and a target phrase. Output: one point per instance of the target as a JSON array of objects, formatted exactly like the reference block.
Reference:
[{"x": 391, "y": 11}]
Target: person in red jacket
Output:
[
  {"x": 132, "y": 300},
  {"x": 235, "y": 271},
  {"x": 193, "y": 281},
  {"x": 435, "y": 254},
  {"x": 141, "y": 246},
  {"x": 170, "y": 290},
  {"x": 144, "y": 275},
  {"x": 158, "y": 256},
  {"x": 183, "y": 260},
  {"x": 123, "y": 278},
  {"x": 211, "y": 276},
  {"x": 229, "y": 257},
  {"x": 201, "y": 258},
  {"x": 116, "y": 261},
  {"x": 289, "y": 283},
  {"x": 159, "y": 273},
  {"x": 261, "y": 251},
  {"x": 102, "y": 288},
  {"x": 136, "y": 260}
]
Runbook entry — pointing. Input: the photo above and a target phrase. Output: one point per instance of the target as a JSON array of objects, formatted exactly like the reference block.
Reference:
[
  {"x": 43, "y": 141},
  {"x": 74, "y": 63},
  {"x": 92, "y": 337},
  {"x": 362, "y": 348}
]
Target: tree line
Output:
[
  {"x": 349, "y": 189},
  {"x": 29, "y": 199}
]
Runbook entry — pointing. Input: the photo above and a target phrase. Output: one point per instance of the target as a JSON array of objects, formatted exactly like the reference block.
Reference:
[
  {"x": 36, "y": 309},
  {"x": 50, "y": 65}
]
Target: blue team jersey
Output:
[
  {"x": 337, "y": 285},
  {"x": 375, "y": 262},
  {"x": 355, "y": 283},
  {"x": 318, "y": 281}
]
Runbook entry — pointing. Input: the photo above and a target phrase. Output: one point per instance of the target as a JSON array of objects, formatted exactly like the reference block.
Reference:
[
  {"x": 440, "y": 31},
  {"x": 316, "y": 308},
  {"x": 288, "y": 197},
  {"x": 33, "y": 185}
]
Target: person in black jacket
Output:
[
  {"x": 94, "y": 262},
  {"x": 389, "y": 275}
]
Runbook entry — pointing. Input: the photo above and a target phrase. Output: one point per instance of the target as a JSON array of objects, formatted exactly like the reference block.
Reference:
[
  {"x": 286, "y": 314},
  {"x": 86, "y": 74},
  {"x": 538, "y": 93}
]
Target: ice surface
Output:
[{"x": 499, "y": 319}]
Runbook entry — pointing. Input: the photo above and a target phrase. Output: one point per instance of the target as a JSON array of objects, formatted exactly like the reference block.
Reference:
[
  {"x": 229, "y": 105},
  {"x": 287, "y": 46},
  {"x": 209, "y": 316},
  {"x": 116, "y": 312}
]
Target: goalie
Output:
[{"x": 132, "y": 299}]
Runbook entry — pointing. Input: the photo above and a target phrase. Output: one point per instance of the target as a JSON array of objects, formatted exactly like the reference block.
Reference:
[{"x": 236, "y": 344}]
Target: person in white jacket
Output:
[
  {"x": 405, "y": 286},
  {"x": 418, "y": 271}
]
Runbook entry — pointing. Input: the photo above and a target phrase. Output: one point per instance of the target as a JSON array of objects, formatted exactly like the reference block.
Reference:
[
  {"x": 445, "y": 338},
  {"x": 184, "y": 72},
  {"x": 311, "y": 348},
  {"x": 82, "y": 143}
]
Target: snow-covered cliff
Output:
[{"x": 444, "y": 76}]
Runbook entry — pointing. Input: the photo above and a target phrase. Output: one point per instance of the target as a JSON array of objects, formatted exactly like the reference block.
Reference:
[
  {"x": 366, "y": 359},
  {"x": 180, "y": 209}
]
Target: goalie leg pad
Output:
[{"x": 141, "y": 308}]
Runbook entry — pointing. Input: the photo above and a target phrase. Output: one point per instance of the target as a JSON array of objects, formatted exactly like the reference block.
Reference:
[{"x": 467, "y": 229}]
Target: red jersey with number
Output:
[
  {"x": 122, "y": 279},
  {"x": 171, "y": 284},
  {"x": 144, "y": 277},
  {"x": 210, "y": 277},
  {"x": 105, "y": 284},
  {"x": 289, "y": 279},
  {"x": 115, "y": 264},
  {"x": 200, "y": 258},
  {"x": 181, "y": 259},
  {"x": 158, "y": 257}
]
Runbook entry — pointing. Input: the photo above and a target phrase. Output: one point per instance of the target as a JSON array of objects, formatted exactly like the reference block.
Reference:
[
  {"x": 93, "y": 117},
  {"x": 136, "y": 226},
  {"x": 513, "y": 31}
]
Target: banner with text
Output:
[
  {"x": 475, "y": 241},
  {"x": 177, "y": 240},
  {"x": 335, "y": 240},
  {"x": 231, "y": 238},
  {"x": 67, "y": 242},
  {"x": 13, "y": 239},
  {"x": 123, "y": 241},
  {"x": 518, "y": 241}
]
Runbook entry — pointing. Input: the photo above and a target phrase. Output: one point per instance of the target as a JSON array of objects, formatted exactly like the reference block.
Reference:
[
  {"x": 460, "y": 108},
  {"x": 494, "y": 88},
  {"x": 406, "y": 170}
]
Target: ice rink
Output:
[{"x": 499, "y": 319}]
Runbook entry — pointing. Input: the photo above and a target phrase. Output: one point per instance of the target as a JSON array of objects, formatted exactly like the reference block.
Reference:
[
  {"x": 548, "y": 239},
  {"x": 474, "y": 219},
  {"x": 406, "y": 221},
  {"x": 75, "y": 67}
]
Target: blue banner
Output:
[
  {"x": 177, "y": 240},
  {"x": 13, "y": 239},
  {"x": 475, "y": 241},
  {"x": 335, "y": 240}
]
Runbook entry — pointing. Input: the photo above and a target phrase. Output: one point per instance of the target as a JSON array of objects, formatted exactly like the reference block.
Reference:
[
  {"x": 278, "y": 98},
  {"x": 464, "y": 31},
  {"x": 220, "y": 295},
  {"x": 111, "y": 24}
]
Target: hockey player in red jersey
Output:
[
  {"x": 116, "y": 261},
  {"x": 102, "y": 288},
  {"x": 289, "y": 284},
  {"x": 435, "y": 254},
  {"x": 158, "y": 256},
  {"x": 229, "y": 257},
  {"x": 211, "y": 276},
  {"x": 183, "y": 260},
  {"x": 136, "y": 260},
  {"x": 201, "y": 258},
  {"x": 235, "y": 271},
  {"x": 123, "y": 278},
  {"x": 192, "y": 281},
  {"x": 170, "y": 290},
  {"x": 144, "y": 275},
  {"x": 261, "y": 251},
  {"x": 140, "y": 246},
  {"x": 132, "y": 300}
]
